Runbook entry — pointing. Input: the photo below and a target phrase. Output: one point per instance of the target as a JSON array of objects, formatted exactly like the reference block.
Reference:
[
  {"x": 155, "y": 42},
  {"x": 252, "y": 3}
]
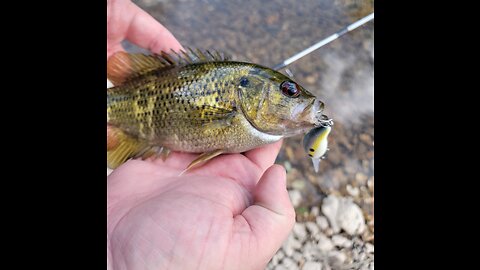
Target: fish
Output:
[
  {"x": 200, "y": 101},
  {"x": 315, "y": 143}
]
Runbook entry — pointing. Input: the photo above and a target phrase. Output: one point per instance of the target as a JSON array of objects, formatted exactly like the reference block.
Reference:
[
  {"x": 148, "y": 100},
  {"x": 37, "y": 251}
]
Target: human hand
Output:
[{"x": 231, "y": 213}]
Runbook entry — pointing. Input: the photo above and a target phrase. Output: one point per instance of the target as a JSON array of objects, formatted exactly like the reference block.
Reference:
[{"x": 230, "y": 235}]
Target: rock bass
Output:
[{"x": 200, "y": 102}]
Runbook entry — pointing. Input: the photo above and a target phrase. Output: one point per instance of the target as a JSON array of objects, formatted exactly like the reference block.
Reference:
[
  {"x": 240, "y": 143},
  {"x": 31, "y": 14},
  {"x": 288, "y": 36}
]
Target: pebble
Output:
[
  {"x": 297, "y": 256},
  {"x": 312, "y": 227},
  {"x": 311, "y": 251},
  {"x": 290, "y": 245},
  {"x": 322, "y": 222},
  {"x": 336, "y": 258},
  {"x": 353, "y": 191},
  {"x": 341, "y": 241},
  {"x": 343, "y": 214},
  {"x": 289, "y": 264},
  {"x": 315, "y": 211},
  {"x": 295, "y": 197},
  {"x": 312, "y": 266},
  {"x": 329, "y": 209},
  {"x": 280, "y": 267},
  {"x": 278, "y": 257},
  {"x": 361, "y": 178},
  {"x": 324, "y": 243},
  {"x": 369, "y": 248},
  {"x": 300, "y": 231}
]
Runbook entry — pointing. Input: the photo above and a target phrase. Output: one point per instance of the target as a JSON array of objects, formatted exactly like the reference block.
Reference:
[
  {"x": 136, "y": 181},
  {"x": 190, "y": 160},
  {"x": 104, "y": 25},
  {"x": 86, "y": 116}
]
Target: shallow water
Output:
[{"x": 340, "y": 74}]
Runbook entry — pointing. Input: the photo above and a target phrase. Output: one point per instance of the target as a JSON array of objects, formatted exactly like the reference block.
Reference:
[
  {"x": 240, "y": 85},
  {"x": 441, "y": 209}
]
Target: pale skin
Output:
[{"x": 231, "y": 213}]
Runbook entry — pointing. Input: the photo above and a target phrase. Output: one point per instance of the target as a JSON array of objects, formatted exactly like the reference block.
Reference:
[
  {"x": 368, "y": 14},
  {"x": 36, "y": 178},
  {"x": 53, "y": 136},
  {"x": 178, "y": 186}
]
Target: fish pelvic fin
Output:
[{"x": 202, "y": 159}]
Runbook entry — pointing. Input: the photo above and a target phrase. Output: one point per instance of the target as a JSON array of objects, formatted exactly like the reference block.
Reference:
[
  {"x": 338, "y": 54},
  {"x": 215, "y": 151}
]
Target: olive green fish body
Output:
[
  {"x": 191, "y": 109},
  {"x": 203, "y": 104}
]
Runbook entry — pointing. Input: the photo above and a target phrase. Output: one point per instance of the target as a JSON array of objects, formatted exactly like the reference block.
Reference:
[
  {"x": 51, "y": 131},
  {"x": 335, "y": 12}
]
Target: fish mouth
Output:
[
  {"x": 320, "y": 119},
  {"x": 313, "y": 114}
]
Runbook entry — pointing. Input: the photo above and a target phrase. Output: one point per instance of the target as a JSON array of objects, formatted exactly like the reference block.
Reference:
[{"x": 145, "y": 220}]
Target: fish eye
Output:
[
  {"x": 290, "y": 89},
  {"x": 244, "y": 82}
]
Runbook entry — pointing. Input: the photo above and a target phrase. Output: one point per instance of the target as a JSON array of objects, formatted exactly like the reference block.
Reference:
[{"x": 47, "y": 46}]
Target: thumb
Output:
[{"x": 271, "y": 217}]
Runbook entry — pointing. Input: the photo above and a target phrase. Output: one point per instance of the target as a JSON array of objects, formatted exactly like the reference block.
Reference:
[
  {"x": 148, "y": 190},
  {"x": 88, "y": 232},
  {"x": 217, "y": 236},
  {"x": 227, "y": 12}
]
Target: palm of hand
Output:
[{"x": 218, "y": 216}]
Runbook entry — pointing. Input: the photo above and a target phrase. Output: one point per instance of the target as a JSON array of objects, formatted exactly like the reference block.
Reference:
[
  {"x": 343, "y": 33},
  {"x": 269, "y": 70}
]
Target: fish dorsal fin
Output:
[{"x": 123, "y": 66}]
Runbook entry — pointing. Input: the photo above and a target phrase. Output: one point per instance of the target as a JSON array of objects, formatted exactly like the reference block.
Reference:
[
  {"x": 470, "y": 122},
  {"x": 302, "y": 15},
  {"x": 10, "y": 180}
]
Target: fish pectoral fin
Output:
[
  {"x": 121, "y": 147},
  {"x": 203, "y": 158}
]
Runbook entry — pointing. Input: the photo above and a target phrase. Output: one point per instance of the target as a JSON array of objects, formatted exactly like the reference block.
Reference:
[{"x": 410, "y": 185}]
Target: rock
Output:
[
  {"x": 324, "y": 243},
  {"x": 353, "y": 191},
  {"x": 341, "y": 241},
  {"x": 297, "y": 256},
  {"x": 336, "y": 258},
  {"x": 312, "y": 266},
  {"x": 311, "y": 251},
  {"x": 361, "y": 178},
  {"x": 295, "y": 197},
  {"x": 343, "y": 213},
  {"x": 287, "y": 247},
  {"x": 300, "y": 232},
  {"x": 289, "y": 264},
  {"x": 277, "y": 257},
  {"x": 298, "y": 184},
  {"x": 330, "y": 209},
  {"x": 322, "y": 222},
  {"x": 290, "y": 245},
  {"x": 312, "y": 227},
  {"x": 280, "y": 267},
  {"x": 369, "y": 248},
  {"x": 315, "y": 211}
]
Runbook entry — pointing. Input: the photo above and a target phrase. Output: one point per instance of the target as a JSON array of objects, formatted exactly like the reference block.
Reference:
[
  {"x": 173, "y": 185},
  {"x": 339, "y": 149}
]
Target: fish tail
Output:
[{"x": 121, "y": 147}]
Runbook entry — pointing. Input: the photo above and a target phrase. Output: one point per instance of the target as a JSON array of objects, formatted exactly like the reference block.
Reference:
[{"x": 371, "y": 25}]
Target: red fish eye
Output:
[{"x": 290, "y": 89}]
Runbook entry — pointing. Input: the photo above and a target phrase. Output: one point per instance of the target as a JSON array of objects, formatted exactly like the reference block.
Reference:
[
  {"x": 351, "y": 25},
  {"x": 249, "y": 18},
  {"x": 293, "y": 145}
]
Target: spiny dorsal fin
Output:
[{"x": 123, "y": 66}]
